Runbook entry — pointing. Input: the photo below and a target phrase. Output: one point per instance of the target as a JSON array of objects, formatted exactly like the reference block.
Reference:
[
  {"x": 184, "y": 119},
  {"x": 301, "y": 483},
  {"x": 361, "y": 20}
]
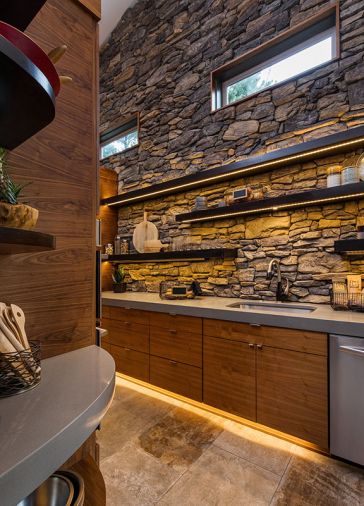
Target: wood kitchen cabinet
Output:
[
  {"x": 229, "y": 376},
  {"x": 292, "y": 393}
]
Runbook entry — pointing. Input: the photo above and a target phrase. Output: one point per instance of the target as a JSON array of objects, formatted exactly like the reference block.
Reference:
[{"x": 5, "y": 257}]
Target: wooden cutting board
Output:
[{"x": 144, "y": 231}]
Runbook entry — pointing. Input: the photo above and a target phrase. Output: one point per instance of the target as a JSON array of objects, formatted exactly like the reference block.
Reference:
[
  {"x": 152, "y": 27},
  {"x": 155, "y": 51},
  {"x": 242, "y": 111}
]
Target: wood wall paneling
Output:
[
  {"x": 56, "y": 289},
  {"x": 109, "y": 220}
]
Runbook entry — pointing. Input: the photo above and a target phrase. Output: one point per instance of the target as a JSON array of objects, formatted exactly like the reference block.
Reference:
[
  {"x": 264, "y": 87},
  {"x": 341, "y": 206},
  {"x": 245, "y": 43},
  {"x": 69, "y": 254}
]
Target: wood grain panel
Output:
[
  {"x": 93, "y": 5},
  {"x": 176, "y": 345},
  {"x": 292, "y": 394},
  {"x": 130, "y": 362},
  {"x": 291, "y": 339},
  {"x": 130, "y": 335},
  {"x": 180, "y": 378},
  {"x": 176, "y": 322},
  {"x": 56, "y": 289},
  {"x": 127, "y": 314},
  {"x": 229, "y": 376}
]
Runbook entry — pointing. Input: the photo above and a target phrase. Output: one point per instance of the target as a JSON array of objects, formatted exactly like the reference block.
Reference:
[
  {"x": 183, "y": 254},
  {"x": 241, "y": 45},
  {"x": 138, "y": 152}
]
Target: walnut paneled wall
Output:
[{"x": 57, "y": 289}]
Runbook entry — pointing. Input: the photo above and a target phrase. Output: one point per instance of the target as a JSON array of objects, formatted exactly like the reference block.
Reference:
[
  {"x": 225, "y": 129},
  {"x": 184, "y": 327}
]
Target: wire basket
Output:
[
  {"x": 20, "y": 370},
  {"x": 344, "y": 301}
]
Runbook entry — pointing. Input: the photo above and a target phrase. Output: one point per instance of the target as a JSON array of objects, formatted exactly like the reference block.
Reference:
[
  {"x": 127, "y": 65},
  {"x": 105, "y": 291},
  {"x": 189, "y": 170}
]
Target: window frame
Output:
[
  {"x": 131, "y": 124},
  {"x": 269, "y": 62},
  {"x": 327, "y": 19}
]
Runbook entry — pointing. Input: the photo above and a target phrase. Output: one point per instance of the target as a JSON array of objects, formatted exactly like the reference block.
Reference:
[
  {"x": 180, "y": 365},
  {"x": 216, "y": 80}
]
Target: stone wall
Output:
[{"x": 158, "y": 62}]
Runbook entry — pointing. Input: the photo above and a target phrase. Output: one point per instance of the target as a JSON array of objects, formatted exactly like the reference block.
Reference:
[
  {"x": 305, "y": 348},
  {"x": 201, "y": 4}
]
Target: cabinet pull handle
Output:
[
  {"x": 173, "y": 331},
  {"x": 127, "y": 349},
  {"x": 126, "y": 323},
  {"x": 259, "y": 346},
  {"x": 172, "y": 362},
  {"x": 255, "y": 324},
  {"x": 172, "y": 314},
  {"x": 251, "y": 345}
]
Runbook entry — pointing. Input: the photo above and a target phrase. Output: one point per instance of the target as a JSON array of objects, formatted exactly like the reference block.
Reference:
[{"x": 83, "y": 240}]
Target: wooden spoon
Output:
[{"x": 19, "y": 321}]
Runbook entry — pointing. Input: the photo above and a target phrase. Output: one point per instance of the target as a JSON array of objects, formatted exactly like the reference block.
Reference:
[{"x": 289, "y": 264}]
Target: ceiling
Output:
[{"x": 112, "y": 10}]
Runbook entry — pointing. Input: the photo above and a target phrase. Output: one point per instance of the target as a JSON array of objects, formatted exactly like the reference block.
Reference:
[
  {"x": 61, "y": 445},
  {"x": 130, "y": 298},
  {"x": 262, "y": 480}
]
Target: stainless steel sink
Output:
[{"x": 274, "y": 307}]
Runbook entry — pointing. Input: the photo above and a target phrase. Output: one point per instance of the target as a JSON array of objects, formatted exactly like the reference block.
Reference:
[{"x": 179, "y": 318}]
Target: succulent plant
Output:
[
  {"x": 119, "y": 274},
  {"x": 9, "y": 190}
]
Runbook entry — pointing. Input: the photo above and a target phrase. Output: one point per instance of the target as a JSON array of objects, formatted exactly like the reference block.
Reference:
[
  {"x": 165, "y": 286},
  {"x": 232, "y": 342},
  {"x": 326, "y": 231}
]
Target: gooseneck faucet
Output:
[{"x": 274, "y": 267}]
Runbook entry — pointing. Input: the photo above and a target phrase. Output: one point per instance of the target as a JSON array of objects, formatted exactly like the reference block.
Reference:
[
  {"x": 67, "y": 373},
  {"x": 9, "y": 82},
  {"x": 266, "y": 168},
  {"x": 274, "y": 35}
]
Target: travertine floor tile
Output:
[
  {"x": 135, "y": 478},
  {"x": 179, "y": 438},
  {"x": 316, "y": 480},
  {"x": 220, "y": 478},
  {"x": 261, "y": 449}
]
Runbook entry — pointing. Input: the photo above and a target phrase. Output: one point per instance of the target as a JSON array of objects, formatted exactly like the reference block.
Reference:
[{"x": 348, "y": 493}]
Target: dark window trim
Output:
[
  {"x": 130, "y": 124},
  {"x": 324, "y": 19}
]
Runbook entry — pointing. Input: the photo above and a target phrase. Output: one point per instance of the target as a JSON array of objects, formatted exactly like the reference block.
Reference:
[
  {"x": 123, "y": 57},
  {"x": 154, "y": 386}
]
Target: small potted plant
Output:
[
  {"x": 118, "y": 276},
  {"x": 12, "y": 213}
]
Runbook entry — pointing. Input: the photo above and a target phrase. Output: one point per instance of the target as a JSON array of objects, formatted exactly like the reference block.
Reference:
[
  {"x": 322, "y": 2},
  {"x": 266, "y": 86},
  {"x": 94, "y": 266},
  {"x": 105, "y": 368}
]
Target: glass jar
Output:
[
  {"x": 360, "y": 166},
  {"x": 109, "y": 250},
  {"x": 334, "y": 176},
  {"x": 350, "y": 175}
]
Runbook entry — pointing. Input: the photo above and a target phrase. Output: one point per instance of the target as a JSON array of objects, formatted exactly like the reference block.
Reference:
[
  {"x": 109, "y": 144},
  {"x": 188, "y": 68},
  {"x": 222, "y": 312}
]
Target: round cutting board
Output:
[{"x": 144, "y": 231}]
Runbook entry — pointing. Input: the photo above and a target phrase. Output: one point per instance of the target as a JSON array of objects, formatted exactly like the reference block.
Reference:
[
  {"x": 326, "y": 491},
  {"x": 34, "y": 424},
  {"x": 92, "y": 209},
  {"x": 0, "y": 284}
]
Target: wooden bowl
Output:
[{"x": 33, "y": 52}]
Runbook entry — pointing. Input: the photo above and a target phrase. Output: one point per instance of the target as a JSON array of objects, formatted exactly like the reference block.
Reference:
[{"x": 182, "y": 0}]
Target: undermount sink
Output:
[{"x": 277, "y": 307}]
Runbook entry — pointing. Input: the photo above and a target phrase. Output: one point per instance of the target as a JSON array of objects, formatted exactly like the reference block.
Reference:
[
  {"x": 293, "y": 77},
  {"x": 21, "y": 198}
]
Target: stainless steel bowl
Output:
[{"x": 57, "y": 490}]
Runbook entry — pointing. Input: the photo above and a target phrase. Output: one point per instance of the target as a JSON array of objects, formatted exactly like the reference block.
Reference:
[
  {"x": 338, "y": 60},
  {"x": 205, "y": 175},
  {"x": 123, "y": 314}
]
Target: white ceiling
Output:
[{"x": 112, "y": 10}]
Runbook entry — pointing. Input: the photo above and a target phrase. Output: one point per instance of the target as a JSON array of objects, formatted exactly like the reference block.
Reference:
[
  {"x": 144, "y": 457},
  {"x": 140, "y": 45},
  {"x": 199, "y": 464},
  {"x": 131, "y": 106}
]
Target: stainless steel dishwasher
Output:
[{"x": 347, "y": 397}]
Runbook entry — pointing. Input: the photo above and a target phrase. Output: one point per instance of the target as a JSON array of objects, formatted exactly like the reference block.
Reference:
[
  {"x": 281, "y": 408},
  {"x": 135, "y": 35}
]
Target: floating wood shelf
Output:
[
  {"x": 20, "y": 13},
  {"x": 350, "y": 246},
  {"x": 325, "y": 146},
  {"x": 26, "y": 97},
  {"x": 15, "y": 240},
  {"x": 291, "y": 201},
  {"x": 173, "y": 256}
]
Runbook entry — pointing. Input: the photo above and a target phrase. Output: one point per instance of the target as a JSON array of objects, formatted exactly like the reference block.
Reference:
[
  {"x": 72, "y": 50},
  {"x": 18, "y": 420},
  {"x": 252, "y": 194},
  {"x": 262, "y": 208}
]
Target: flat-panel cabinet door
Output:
[
  {"x": 292, "y": 393},
  {"x": 229, "y": 376}
]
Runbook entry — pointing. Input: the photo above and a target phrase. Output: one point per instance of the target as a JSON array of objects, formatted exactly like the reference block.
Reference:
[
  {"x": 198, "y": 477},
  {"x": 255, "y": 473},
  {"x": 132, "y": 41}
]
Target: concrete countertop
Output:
[
  {"x": 323, "y": 319},
  {"x": 40, "y": 429}
]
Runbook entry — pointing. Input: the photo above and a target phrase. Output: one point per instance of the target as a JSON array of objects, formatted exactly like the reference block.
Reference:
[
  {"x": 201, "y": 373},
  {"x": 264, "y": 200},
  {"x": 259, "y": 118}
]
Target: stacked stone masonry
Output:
[{"x": 158, "y": 62}]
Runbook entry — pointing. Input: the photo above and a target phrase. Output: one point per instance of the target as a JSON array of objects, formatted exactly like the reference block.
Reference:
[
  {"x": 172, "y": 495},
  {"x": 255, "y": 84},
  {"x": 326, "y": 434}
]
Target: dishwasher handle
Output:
[{"x": 352, "y": 349}]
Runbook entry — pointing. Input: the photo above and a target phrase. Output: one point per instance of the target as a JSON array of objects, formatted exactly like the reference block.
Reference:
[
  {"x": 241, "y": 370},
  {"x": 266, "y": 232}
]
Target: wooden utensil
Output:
[
  {"x": 9, "y": 323},
  {"x": 10, "y": 336},
  {"x": 5, "y": 344},
  {"x": 144, "y": 231},
  {"x": 19, "y": 322}
]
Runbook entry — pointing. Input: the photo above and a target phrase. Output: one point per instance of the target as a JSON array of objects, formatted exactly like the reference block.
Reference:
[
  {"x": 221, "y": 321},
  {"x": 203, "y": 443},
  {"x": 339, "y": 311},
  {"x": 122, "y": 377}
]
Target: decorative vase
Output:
[
  {"x": 18, "y": 216},
  {"x": 119, "y": 287}
]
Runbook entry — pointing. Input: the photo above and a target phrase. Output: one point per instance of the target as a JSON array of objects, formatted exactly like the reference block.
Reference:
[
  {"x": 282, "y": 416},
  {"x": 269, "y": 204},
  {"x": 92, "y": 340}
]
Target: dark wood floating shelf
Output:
[
  {"x": 174, "y": 256},
  {"x": 290, "y": 201},
  {"x": 350, "y": 246},
  {"x": 16, "y": 240},
  {"x": 26, "y": 97},
  {"x": 318, "y": 148},
  {"x": 20, "y": 13}
]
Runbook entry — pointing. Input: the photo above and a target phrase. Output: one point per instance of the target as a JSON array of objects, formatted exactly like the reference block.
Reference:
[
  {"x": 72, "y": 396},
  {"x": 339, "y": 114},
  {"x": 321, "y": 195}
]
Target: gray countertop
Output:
[
  {"x": 40, "y": 429},
  {"x": 323, "y": 319}
]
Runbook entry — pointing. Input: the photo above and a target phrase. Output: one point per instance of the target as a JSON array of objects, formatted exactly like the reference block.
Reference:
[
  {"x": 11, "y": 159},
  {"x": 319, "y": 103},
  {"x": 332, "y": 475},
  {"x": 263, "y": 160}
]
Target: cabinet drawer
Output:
[
  {"x": 127, "y": 334},
  {"x": 276, "y": 337},
  {"x": 176, "y": 345},
  {"x": 176, "y": 322},
  {"x": 126, "y": 315},
  {"x": 180, "y": 378},
  {"x": 130, "y": 362}
]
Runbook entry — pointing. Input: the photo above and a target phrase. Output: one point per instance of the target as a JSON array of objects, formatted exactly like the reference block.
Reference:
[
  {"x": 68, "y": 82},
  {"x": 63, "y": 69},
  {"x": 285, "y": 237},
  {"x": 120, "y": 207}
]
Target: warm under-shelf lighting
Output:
[
  {"x": 212, "y": 179},
  {"x": 276, "y": 208}
]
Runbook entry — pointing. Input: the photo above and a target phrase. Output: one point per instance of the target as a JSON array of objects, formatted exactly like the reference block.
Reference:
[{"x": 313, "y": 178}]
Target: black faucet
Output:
[{"x": 282, "y": 291}]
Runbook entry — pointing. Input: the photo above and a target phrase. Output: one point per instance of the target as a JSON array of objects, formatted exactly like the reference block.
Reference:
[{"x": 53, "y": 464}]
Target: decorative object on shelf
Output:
[
  {"x": 171, "y": 291},
  {"x": 13, "y": 214},
  {"x": 109, "y": 249},
  {"x": 256, "y": 193},
  {"x": 353, "y": 285},
  {"x": 334, "y": 176},
  {"x": 144, "y": 231},
  {"x": 237, "y": 195},
  {"x": 19, "y": 358},
  {"x": 153, "y": 246},
  {"x": 360, "y": 165},
  {"x": 200, "y": 203},
  {"x": 117, "y": 245},
  {"x": 125, "y": 245},
  {"x": 350, "y": 172},
  {"x": 118, "y": 277},
  {"x": 360, "y": 232}
]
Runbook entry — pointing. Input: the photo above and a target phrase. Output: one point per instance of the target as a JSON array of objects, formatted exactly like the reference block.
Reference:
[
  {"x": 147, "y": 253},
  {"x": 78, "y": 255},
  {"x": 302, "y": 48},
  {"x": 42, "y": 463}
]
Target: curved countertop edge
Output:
[
  {"x": 28, "y": 470},
  {"x": 323, "y": 319}
]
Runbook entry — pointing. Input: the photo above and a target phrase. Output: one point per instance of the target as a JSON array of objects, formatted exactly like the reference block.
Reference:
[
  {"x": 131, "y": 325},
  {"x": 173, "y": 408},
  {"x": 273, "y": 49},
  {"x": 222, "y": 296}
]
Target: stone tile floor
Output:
[{"x": 158, "y": 450}]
